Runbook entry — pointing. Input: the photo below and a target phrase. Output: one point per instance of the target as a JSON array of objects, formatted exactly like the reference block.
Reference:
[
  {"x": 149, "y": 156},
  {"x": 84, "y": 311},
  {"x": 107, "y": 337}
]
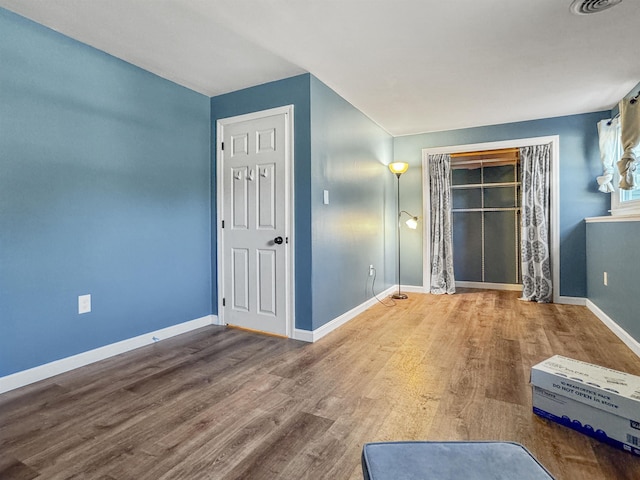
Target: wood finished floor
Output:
[{"x": 227, "y": 404}]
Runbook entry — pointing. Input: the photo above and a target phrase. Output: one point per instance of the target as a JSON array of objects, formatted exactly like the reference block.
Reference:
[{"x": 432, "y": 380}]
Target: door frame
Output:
[
  {"x": 554, "y": 226},
  {"x": 289, "y": 209}
]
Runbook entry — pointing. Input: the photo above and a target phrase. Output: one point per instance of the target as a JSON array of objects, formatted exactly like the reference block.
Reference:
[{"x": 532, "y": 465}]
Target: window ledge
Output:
[{"x": 614, "y": 218}]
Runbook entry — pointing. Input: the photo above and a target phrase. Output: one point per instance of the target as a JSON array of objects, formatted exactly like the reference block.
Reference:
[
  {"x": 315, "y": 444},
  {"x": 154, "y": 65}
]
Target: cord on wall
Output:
[{"x": 373, "y": 293}]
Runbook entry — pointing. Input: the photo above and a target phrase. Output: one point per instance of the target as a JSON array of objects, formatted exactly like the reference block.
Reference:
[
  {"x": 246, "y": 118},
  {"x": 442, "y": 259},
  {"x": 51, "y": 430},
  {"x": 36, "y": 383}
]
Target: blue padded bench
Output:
[{"x": 450, "y": 461}]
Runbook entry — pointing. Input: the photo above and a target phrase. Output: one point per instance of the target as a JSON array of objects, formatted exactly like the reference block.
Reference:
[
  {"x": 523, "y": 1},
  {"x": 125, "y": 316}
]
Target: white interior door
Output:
[{"x": 255, "y": 230}]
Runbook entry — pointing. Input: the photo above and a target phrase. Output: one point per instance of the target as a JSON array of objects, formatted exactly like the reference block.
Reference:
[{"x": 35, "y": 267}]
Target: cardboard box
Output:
[
  {"x": 619, "y": 432},
  {"x": 594, "y": 400},
  {"x": 599, "y": 387}
]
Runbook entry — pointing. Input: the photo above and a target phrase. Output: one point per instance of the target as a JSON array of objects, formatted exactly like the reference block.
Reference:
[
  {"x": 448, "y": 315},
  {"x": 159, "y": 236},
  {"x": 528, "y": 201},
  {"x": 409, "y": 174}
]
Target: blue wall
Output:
[
  {"x": 579, "y": 165},
  {"x": 339, "y": 149},
  {"x": 104, "y": 189},
  {"x": 612, "y": 247},
  {"x": 291, "y": 91},
  {"x": 349, "y": 158}
]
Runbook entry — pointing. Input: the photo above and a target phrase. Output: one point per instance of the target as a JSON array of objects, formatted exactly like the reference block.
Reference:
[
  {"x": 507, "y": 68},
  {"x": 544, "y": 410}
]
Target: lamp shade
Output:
[
  {"x": 412, "y": 223},
  {"x": 398, "y": 167}
]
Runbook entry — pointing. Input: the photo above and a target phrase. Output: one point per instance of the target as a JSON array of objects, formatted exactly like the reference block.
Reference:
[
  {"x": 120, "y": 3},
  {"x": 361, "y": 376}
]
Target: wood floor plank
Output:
[
  {"x": 269, "y": 459},
  {"x": 336, "y": 454},
  {"x": 504, "y": 372},
  {"x": 12, "y": 469},
  {"x": 225, "y": 404}
]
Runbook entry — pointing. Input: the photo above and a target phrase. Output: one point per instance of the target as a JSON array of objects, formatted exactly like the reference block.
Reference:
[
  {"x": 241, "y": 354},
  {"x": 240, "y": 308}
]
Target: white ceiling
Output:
[{"x": 411, "y": 65}]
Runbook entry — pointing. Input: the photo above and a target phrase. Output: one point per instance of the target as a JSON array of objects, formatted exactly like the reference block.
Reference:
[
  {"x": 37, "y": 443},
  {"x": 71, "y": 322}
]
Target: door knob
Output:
[{"x": 278, "y": 240}]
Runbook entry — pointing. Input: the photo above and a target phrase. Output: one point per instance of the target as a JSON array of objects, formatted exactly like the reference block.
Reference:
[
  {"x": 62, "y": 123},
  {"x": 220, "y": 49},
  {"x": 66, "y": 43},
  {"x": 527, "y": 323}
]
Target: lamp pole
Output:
[{"x": 398, "y": 168}]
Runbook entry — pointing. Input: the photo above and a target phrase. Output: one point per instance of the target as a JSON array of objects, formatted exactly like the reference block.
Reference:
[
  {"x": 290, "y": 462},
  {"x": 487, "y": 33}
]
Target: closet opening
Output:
[
  {"x": 486, "y": 203},
  {"x": 484, "y": 180}
]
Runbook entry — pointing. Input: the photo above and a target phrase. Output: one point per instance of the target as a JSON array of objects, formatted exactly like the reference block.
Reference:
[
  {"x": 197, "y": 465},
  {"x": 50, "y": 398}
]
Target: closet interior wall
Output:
[{"x": 486, "y": 217}]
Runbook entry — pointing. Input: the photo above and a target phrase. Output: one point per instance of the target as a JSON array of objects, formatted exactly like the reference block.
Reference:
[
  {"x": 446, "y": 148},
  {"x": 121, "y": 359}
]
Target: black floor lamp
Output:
[{"x": 398, "y": 168}]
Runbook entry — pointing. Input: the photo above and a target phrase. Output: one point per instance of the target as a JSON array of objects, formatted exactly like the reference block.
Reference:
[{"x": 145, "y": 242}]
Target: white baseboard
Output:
[
  {"x": 35, "y": 374},
  {"x": 572, "y": 301},
  {"x": 303, "y": 335},
  {"x": 620, "y": 332},
  {"x": 518, "y": 288},
  {"x": 318, "y": 333},
  {"x": 490, "y": 286},
  {"x": 410, "y": 289}
]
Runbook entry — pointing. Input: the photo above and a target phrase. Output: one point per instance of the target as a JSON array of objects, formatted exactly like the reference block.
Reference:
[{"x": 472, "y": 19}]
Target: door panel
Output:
[
  {"x": 267, "y": 278},
  {"x": 266, "y": 197},
  {"x": 254, "y": 200},
  {"x": 239, "y": 198},
  {"x": 239, "y": 144},
  {"x": 240, "y": 278},
  {"x": 266, "y": 140}
]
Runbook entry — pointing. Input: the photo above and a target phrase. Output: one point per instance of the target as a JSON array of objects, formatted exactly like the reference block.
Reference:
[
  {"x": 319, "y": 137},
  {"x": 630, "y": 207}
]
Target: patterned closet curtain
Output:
[
  {"x": 536, "y": 263},
  {"x": 442, "y": 280}
]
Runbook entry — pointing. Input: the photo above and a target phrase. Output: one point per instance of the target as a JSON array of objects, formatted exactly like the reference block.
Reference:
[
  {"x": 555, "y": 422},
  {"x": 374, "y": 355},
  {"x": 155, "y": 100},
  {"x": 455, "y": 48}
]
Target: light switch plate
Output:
[
  {"x": 84, "y": 303},
  {"x": 326, "y": 197}
]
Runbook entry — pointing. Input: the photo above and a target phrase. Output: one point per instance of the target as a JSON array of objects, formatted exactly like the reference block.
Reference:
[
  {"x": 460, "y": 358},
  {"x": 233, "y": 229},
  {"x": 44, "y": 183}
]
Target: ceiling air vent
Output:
[{"x": 586, "y": 7}]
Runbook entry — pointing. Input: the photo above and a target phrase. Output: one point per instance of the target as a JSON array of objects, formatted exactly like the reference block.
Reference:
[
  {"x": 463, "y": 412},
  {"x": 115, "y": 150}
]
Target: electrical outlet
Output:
[
  {"x": 84, "y": 304},
  {"x": 605, "y": 279},
  {"x": 371, "y": 270}
]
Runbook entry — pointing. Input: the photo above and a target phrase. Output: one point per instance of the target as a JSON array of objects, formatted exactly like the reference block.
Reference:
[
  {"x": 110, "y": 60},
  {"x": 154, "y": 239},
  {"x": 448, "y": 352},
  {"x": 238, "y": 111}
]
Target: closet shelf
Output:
[{"x": 485, "y": 185}]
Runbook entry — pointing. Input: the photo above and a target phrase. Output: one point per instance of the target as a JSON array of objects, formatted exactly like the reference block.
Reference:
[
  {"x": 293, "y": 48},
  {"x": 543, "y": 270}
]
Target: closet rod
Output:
[
  {"x": 486, "y": 209},
  {"x": 463, "y": 186},
  {"x": 495, "y": 162}
]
